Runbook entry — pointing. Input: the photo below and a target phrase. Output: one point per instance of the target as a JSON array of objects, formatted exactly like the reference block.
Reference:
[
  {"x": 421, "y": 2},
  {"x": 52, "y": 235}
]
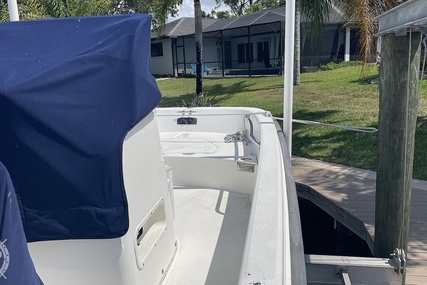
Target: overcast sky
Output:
[{"x": 187, "y": 8}]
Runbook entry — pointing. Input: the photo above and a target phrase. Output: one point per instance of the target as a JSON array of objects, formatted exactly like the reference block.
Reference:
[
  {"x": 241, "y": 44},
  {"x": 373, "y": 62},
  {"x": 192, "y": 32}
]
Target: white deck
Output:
[
  {"x": 231, "y": 219},
  {"x": 210, "y": 224},
  {"x": 211, "y": 228}
]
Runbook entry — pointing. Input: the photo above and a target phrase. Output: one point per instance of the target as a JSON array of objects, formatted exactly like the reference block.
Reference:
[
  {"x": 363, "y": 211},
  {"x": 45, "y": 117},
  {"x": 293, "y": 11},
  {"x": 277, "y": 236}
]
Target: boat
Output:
[{"x": 113, "y": 190}]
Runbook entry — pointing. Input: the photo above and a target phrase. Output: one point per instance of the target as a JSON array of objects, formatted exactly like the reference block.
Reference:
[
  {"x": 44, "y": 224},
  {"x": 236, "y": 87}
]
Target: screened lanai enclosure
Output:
[{"x": 249, "y": 45}]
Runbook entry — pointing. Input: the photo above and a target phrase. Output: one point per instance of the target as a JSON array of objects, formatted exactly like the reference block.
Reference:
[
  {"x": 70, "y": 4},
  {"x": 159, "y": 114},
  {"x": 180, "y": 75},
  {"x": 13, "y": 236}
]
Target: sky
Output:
[{"x": 187, "y": 8}]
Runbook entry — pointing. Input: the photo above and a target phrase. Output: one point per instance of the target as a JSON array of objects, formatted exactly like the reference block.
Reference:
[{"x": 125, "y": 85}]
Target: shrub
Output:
[
  {"x": 333, "y": 65},
  {"x": 186, "y": 75},
  {"x": 202, "y": 101}
]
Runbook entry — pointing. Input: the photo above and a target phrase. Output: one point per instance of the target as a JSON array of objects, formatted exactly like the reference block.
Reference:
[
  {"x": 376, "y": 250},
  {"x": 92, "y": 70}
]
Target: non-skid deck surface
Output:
[
  {"x": 204, "y": 144},
  {"x": 211, "y": 228},
  {"x": 354, "y": 190}
]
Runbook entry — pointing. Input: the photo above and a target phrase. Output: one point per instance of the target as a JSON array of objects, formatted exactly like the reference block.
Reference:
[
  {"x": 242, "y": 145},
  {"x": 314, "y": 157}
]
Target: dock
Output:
[{"x": 350, "y": 193}]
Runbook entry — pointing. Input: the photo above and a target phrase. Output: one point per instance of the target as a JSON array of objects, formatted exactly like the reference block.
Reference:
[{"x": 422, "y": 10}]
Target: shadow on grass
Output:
[
  {"x": 213, "y": 88},
  {"x": 422, "y": 122},
  {"x": 313, "y": 116},
  {"x": 367, "y": 80},
  {"x": 331, "y": 144},
  {"x": 348, "y": 147},
  {"x": 221, "y": 89},
  {"x": 181, "y": 100},
  {"x": 420, "y": 153},
  {"x": 238, "y": 87},
  {"x": 310, "y": 81}
]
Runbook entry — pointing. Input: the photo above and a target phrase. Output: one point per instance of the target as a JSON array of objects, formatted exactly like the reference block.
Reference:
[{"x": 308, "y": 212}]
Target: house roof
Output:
[
  {"x": 181, "y": 27},
  {"x": 185, "y": 26},
  {"x": 256, "y": 18}
]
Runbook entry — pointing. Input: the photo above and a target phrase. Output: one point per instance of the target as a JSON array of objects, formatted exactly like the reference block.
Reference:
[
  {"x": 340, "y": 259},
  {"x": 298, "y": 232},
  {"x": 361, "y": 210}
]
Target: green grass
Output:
[
  {"x": 340, "y": 96},
  {"x": 261, "y": 92}
]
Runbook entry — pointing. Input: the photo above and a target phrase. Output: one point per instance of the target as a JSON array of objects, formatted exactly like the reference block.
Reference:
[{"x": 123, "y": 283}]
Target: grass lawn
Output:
[{"x": 337, "y": 96}]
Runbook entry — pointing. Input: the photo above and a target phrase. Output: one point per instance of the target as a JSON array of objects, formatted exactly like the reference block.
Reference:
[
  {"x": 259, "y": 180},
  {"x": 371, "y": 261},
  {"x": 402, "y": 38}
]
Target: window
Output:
[
  {"x": 241, "y": 53},
  {"x": 263, "y": 51},
  {"x": 250, "y": 52},
  {"x": 260, "y": 52},
  {"x": 156, "y": 49},
  {"x": 244, "y": 53}
]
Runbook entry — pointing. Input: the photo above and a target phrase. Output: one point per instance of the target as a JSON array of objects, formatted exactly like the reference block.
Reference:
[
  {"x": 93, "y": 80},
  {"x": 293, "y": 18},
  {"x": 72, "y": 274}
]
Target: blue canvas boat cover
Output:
[
  {"x": 16, "y": 266},
  {"x": 70, "y": 90}
]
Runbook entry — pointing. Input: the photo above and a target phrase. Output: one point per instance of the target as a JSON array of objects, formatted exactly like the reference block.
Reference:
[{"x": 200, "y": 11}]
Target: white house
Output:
[{"x": 249, "y": 44}]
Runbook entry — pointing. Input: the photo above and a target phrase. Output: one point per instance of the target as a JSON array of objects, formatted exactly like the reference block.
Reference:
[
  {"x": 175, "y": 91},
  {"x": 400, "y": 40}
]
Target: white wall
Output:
[
  {"x": 190, "y": 54},
  {"x": 163, "y": 64},
  {"x": 210, "y": 53}
]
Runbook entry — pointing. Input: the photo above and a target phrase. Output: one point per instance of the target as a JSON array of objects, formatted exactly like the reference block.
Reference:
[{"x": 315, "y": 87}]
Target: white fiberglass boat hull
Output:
[{"x": 207, "y": 205}]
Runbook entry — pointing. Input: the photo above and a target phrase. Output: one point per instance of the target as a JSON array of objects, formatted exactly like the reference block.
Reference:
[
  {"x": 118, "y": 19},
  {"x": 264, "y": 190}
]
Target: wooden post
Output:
[{"x": 399, "y": 73}]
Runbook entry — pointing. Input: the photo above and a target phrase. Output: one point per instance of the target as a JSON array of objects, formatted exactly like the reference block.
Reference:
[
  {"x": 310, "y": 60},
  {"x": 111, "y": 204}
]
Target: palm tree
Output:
[
  {"x": 198, "y": 36},
  {"x": 361, "y": 13}
]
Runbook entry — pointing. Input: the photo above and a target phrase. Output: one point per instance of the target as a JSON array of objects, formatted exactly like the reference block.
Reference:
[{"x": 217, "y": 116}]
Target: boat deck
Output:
[
  {"x": 353, "y": 190},
  {"x": 208, "y": 144},
  {"x": 211, "y": 242}
]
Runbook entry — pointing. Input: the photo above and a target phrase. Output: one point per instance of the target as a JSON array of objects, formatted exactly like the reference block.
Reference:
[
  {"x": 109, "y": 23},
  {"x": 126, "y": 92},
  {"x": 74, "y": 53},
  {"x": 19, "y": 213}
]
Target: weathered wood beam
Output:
[{"x": 399, "y": 72}]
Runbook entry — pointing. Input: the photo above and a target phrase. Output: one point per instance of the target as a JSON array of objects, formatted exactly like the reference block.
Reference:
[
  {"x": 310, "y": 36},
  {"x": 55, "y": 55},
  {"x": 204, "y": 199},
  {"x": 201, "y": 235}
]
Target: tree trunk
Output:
[
  {"x": 297, "y": 43},
  {"x": 399, "y": 73},
  {"x": 199, "y": 37}
]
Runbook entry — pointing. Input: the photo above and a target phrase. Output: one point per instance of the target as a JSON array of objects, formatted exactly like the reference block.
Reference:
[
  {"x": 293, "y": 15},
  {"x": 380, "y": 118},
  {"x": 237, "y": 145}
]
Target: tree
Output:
[
  {"x": 360, "y": 13},
  {"x": 32, "y": 9},
  {"x": 241, "y": 7},
  {"x": 208, "y": 15},
  {"x": 198, "y": 37},
  {"x": 315, "y": 12},
  {"x": 160, "y": 10},
  {"x": 221, "y": 14}
]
